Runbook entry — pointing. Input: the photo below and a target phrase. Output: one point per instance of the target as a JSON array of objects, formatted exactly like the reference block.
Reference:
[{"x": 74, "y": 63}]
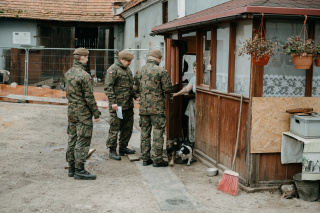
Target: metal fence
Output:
[{"x": 32, "y": 70}]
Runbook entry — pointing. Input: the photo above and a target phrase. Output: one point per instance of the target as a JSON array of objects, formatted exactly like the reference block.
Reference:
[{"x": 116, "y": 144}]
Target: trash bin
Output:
[{"x": 308, "y": 190}]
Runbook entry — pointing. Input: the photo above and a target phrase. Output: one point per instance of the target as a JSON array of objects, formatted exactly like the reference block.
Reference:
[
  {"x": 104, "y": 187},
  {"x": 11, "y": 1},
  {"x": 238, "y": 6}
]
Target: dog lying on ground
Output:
[
  {"x": 172, "y": 147},
  {"x": 185, "y": 153}
]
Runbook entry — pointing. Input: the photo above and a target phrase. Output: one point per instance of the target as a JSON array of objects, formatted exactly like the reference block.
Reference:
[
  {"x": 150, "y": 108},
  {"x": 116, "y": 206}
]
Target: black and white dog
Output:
[
  {"x": 172, "y": 147},
  {"x": 185, "y": 153}
]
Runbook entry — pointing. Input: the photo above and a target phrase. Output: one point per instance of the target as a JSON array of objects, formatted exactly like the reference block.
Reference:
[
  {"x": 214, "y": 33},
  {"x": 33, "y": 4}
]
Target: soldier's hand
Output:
[
  {"x": 97, "y": 120},
  {"x": 115, "y": 107}
]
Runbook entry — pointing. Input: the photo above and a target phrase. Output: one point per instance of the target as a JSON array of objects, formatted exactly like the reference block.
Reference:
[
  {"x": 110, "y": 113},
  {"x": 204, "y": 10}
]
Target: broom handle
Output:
[{"x": 236, "y": 149}]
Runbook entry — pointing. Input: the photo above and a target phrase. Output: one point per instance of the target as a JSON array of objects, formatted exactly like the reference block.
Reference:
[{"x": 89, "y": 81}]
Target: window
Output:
[
  {"x": 181, "y": 8},
  {"x": 223, "y": 34},
  {"x": 242, "y": 63},
  {"x": 136, "y": 24},
  {"x": 316, "y": 70},
  {"x": 206, "y": 58},
  {"x": 280, "y": 78},
  {"x": 164, "y": 12}
]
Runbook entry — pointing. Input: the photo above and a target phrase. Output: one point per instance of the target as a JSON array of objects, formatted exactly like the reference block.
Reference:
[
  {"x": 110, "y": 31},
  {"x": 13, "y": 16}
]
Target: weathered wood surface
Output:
[{"x": 269, "y": 120}]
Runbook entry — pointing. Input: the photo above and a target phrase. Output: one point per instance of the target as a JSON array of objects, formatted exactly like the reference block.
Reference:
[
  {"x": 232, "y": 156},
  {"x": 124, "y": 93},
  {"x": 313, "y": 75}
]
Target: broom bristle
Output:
[{"x": 229, "y": 183}]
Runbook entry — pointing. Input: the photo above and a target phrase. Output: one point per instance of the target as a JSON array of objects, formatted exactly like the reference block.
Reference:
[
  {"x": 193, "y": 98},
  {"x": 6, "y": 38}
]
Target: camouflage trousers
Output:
[
  {"x": 158, "y": 122},
  {"x": 79, "y": 140},
  {"x": 124, "y": 126}
]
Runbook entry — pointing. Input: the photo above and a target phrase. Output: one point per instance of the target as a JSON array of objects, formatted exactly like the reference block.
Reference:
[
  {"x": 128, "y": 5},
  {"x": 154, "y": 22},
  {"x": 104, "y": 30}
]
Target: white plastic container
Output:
[
  {"x": 306, "y": 126},
  {"x": 212, "y": 172}
]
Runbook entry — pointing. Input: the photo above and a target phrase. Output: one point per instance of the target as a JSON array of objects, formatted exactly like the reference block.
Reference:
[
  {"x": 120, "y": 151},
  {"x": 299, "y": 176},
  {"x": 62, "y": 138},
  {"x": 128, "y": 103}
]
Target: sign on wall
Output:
[{"x": 21, "y": 38}]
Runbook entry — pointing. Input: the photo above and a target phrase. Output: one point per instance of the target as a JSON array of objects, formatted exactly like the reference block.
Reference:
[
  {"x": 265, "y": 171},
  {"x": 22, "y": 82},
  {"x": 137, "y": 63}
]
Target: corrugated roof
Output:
[
  {"x": 234, "y": 7},
  {"x": 60, "y": 10}
]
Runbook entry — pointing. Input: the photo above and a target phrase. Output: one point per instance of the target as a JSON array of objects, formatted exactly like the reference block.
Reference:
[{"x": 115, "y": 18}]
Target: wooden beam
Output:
[
  {"x": 257, "y": 70},
  {"x": 213, "y": 73},
  {"x": 309, "y": 72},
  {"x": 199, "y": 57},
  {"x": 168, "y": 56}
]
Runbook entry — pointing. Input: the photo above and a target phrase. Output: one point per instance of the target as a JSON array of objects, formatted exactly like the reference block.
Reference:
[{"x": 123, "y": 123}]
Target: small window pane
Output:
[
  {"x": 280, "y": 78},
  {"x": 242, "y": 63},
  {"x": 206, "y": 58},
  {"x": 222, "y": 58},
  {"x": 316, "y": 70}
]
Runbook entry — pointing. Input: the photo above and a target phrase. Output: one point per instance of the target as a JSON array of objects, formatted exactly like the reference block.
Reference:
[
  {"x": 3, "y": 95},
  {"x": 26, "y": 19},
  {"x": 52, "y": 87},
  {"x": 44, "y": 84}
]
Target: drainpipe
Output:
[{"x": 26, "y": 71}]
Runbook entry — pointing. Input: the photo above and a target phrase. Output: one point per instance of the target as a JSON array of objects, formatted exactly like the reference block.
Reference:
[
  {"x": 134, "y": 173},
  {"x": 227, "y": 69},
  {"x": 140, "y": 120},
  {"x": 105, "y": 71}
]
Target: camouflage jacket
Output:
[
  {"x": 118, "y": 86},
  {"x": 79, "y": 91},
  {"x": 150, "y": 84}
]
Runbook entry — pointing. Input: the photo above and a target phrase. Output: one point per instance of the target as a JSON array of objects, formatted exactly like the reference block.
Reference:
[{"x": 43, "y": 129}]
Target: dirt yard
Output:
[{"x": 33, "y": 177}]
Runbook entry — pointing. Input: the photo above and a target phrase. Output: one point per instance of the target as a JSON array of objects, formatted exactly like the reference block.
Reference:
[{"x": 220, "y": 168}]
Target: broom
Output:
[{"x": 229, "y": 181}]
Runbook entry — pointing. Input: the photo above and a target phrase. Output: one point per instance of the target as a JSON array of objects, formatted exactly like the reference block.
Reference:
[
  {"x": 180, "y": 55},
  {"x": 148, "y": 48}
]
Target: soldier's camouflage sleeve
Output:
[
  {"x": 166, "y": 82},
  {"x": 109, "y": 86},
  {"x": 89, "y": 97},
  {"x": 136, "y": 85}
]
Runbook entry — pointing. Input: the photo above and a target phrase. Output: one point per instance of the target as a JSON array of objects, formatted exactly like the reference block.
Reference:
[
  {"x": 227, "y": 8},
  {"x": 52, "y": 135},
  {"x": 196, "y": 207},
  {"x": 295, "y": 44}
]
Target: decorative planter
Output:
[
  {"x": 263, "y": 60},
  {"x": 317, "y": 62},
  {"x": 302, "y": 62}
]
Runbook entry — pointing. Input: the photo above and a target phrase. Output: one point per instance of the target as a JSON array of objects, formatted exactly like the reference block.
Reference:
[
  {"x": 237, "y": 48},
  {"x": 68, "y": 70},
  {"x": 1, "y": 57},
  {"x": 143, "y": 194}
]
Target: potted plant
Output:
[
  {"x": 301, "y": 50},
  {"x": 259, "y": 48},
  {"x": 317, "y": 54}
]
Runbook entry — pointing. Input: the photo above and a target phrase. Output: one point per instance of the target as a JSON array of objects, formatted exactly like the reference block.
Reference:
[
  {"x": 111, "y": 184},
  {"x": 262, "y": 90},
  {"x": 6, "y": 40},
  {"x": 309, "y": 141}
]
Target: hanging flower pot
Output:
[
  {"x": 302, "y": 62},
  {"x": 317, "y": 61},
  {"x": 263, "y": 60}
]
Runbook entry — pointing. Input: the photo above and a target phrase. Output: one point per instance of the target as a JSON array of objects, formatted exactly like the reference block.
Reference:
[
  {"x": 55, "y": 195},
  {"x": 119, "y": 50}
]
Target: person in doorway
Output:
[
  {"x": 82, "y": 106},
  {"x": 119, "y": 89},
  {"x": 150, "y": 83},
  {"x": 191, "y": 109}
]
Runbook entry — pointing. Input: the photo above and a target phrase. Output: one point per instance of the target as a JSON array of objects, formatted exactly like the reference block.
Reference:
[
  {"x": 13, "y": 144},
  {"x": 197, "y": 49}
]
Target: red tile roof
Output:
[
  {"x": 234, "y": 7},
  {"x": 132, "y": 4},
  {"x": 60, "y": 10}
]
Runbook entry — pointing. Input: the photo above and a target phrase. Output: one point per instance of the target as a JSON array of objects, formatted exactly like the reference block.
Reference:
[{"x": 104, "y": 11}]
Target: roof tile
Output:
[{"x": 62, "y": 10}]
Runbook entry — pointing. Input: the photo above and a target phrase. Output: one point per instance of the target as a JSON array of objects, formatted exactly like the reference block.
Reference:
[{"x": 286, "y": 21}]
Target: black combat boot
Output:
[
  {"x": 82, "y": 174},
  {"x": 148, "y": 162},
  {"x": 161, "y": 164},
  {"x": 71, "y": 170},
  {"x": 113, "y": 154},
  {"x": 126, "y": 151}
]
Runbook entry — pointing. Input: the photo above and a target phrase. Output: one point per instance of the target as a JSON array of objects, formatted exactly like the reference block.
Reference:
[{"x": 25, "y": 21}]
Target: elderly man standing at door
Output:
[
  {"x": 119, "y": 89},
  {"x": 151, "y": 83}
]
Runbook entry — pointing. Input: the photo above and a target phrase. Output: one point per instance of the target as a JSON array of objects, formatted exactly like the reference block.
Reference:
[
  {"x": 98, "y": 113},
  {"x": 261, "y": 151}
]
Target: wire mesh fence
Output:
[{"x": 37, "y": 71}]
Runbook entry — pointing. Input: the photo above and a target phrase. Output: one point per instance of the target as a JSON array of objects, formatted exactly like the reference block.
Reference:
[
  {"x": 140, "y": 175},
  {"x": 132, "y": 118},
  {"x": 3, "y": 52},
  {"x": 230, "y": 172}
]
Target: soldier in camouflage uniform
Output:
[
  {"x": 82, "y": 106},
  {"x": 150, "y": 83},
  {"x": 119, "y": 89}
]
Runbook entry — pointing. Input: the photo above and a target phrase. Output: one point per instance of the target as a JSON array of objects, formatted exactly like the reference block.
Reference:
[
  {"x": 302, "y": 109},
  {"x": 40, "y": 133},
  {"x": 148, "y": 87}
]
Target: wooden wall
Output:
[
  {"x": 17, "y": 66},
  {"x": 217, "y": 123}
]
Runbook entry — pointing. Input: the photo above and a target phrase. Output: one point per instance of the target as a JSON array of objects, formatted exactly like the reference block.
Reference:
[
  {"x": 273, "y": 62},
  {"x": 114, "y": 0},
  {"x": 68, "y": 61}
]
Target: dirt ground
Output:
[{"x": 33, "y": 177}]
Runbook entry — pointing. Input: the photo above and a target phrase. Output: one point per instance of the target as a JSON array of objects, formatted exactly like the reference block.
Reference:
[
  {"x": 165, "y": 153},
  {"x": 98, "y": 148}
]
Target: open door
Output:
[{"x": 173, "y": 106}]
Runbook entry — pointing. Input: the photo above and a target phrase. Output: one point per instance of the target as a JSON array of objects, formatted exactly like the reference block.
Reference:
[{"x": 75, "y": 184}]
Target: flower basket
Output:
[
  {"x": 317, "y": 61},
  {"x": 263, "y": 60},
  {"x": 259, "y": 47},
  {"x": 302, "y": 62}
]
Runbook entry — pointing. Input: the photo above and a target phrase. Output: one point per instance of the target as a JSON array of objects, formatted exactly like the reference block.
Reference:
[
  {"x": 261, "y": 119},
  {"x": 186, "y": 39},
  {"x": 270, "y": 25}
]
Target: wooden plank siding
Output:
[
  {"x": 309, "y": 72},
  {"x": 217, "y": 122}
]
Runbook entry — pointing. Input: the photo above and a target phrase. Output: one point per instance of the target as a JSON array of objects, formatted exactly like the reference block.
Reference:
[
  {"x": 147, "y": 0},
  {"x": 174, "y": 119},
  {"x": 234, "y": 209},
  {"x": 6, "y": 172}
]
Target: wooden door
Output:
[{"x": 173, "y": 106}]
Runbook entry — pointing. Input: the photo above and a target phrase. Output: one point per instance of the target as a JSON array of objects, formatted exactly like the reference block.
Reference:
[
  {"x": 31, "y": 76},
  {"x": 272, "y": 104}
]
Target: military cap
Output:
[
  {"x": 81, "y": 51},
  {"x": 126, "y": 55},
  {"x": 156, "y": 54}
]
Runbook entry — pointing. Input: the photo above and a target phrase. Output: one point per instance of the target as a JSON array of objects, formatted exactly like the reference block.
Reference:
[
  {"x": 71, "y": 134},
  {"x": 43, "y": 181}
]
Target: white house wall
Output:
[
  {"x": 147, "y": 19},
  {"x": 194, "y": 6},
  {"x": 11, "y": 25}
]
